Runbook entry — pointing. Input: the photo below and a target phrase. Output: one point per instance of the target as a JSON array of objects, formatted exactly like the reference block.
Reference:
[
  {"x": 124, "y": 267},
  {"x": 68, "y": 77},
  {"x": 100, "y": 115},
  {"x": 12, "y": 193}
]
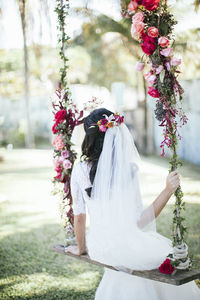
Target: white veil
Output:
[{"x": 122, "y": 231}]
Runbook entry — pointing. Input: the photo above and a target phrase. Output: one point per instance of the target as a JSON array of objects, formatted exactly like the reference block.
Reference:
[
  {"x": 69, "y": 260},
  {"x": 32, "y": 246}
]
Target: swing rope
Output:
[{"x": 154, "y": 37}]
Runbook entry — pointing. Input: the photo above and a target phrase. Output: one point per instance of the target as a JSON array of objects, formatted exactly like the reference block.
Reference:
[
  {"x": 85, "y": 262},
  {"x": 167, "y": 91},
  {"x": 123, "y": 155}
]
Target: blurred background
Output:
[{"x": 102, "y": 57}]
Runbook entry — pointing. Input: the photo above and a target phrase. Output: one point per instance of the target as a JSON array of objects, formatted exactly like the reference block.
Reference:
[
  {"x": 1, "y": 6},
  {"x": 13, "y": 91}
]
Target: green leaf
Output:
[{"x": 162, "y": 76}]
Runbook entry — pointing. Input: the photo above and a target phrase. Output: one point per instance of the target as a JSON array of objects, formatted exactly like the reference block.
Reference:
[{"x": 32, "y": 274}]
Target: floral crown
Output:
[{"x": 108, "y": 122}]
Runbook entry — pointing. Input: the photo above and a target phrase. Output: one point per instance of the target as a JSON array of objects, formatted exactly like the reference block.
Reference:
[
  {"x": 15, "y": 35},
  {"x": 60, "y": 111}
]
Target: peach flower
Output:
[
  {"x": 138, "y": 17},
  {"x": 138, "y": 28},
  {"x": 152, "y": 32},
  {"x": 133, "y": 5},
  {"x": 163, "y": 41},
  {"x": 57, "y": 142}
]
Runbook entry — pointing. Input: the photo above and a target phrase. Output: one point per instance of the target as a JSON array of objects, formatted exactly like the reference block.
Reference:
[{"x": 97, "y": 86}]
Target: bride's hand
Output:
[
  {"x": 172, "y": 182},
  {"x": 75, "y": 250}
]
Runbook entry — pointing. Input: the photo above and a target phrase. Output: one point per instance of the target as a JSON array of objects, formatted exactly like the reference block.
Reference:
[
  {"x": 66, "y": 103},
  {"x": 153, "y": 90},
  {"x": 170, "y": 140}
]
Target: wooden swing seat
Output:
[{"x": 178, "y": 278}]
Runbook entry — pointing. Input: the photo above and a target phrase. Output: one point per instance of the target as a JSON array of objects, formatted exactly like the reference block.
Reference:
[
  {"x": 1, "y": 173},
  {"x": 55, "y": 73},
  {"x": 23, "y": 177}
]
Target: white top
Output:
[{"x": 79, "y": 182}]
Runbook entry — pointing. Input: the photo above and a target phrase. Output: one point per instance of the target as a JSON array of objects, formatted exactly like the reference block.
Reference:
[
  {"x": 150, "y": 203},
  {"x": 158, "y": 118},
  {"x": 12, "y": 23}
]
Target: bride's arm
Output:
[
  {"x": 79, "y": 228},
  {"x": 172, "y": 183}
]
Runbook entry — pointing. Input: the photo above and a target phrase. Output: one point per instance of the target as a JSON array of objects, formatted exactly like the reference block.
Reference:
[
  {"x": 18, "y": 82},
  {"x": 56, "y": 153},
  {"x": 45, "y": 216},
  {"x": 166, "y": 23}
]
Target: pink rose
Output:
[
  {"x": 152, "y": 32},
  {"x": 138, "y": 17},
  {"x": 151, "y": 79},
  {"x": 138, "y": 27},
  {"x": 133, "y": 5},
  {"x": 153, "y": 92},
  {"x": 102, "y": 128},
  {"x": 67, "y": 164},
  {"x": 139, "y": 66},
  {"x": 65, "y": 153},
  {"x": 57, "y": 142},
  {"x": 167, "y": 52},
  {"x": 175, "y": 61},
  {"x": 163, "y": 41},
  {"x": 159, "y": 69}
]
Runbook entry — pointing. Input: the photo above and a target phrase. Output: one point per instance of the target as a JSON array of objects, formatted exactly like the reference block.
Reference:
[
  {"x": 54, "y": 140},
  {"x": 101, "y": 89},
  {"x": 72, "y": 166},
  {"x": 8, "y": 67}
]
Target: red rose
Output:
[
  {"x": 54, "y": 128},
  {"x": 60, "y": 115},
  {"x": 148, "y": 39},
  {"x": 148, "y": 46},
  {"x": 139, "y": 2},
  {"x": 58, "y": 169},
  {"x": 150, "y": 4},
  {"x": 153, "y": 92},
  {"x": 166, "y": 267}
]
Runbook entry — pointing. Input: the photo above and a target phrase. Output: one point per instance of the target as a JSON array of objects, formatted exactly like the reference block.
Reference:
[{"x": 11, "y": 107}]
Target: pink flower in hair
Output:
[{"x": 102, "y": 128}]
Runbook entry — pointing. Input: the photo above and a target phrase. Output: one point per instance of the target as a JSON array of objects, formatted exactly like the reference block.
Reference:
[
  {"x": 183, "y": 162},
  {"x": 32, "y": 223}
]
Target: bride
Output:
[{"x": 122, "y": 230}]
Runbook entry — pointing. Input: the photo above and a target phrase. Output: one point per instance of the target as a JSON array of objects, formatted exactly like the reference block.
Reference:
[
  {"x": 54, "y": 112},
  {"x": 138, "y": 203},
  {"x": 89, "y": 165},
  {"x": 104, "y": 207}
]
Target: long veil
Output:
[{"x": 122, "y": 230}]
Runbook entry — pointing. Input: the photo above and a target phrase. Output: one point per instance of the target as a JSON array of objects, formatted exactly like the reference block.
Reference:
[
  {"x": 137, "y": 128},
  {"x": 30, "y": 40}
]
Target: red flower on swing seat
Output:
[{"x": 166, "y": 267}]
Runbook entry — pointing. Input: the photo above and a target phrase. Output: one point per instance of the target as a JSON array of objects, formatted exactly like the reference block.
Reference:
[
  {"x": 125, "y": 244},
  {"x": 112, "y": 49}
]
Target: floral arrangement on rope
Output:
[
  {"x": 152, "y": 26},
  {"x": 66, "y": 117}
]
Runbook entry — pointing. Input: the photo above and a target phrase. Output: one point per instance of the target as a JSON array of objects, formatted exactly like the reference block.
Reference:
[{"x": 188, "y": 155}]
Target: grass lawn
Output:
[{"x": 30, "y": 225}]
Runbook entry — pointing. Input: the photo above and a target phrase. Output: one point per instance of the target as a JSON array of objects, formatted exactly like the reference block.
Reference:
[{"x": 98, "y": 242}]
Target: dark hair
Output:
[{"x": 93, "y": 141}]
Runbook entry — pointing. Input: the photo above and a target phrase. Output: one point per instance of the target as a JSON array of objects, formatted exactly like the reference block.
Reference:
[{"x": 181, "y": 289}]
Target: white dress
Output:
[{"x": 117, "y": 285}]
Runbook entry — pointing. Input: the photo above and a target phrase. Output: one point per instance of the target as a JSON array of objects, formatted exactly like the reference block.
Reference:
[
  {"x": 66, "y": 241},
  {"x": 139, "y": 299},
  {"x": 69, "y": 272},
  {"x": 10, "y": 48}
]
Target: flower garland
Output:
[
  {"x": 66, "y": 117},
  {"x": 152, "y": 26}
]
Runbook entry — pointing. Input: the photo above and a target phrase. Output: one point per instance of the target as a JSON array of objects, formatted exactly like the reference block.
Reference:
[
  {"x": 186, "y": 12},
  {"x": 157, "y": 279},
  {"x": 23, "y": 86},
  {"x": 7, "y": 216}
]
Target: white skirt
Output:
[{"x": 117, "y": 285}]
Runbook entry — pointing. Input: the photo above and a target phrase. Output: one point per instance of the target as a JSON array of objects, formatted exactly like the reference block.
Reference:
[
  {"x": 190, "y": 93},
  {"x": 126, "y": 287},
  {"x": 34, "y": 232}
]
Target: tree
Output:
[{"x": 23, "y": 9}]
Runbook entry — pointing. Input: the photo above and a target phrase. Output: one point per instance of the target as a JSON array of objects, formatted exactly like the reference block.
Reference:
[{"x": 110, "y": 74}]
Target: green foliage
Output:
[{"x": 62, "y": 8}]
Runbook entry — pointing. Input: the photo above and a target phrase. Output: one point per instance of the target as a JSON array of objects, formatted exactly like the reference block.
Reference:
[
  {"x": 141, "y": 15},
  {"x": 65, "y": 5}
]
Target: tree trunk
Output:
[{"x": 28, "y": 134}]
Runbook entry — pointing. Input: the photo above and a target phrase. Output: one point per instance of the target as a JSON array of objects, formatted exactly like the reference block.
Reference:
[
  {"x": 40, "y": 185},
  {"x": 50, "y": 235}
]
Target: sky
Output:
[{"x": 10, "y": 24}]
